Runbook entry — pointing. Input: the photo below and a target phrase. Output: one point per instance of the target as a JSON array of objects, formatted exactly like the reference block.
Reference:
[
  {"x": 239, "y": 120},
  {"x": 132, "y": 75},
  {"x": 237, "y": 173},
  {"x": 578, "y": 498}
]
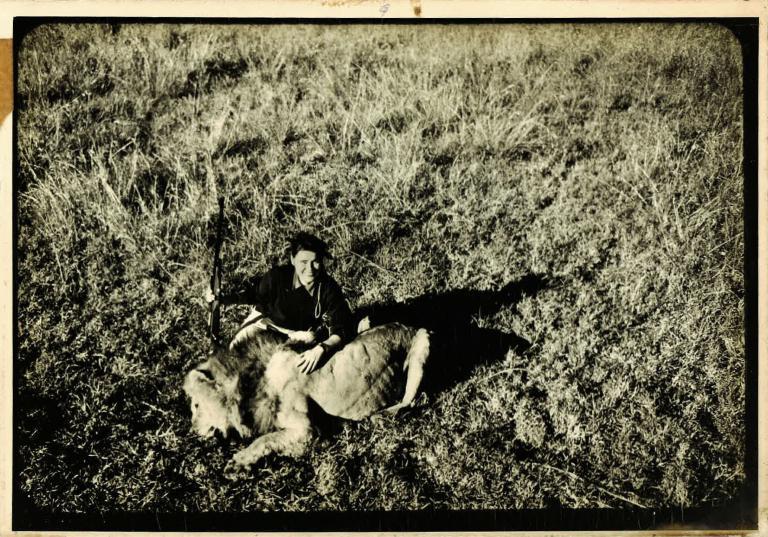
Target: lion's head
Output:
[{"x": 215, "y": 398}]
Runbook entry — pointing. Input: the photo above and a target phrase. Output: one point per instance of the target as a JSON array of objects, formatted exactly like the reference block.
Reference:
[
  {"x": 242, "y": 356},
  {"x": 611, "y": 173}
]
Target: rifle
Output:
[{"x": 214, "y": 316}]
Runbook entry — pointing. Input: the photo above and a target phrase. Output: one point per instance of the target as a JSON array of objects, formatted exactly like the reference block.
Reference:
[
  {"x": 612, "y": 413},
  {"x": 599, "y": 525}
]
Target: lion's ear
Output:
[
  {"x": 204, "y": 375},
  {"x": 196, "y": 378}
]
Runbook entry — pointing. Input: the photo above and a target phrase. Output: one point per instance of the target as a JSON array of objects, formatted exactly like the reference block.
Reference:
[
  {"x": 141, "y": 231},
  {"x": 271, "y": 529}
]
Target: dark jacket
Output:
[{"x": 324, "y": 310}]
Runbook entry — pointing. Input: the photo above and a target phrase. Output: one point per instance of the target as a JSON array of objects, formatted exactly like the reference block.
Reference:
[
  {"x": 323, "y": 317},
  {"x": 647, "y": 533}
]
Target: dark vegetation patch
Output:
[
  {"x": 522, "y": 154},
  {"x": 176, "y": 39},
  {"x": 621, "y": 102},
  {"x": 214, "y": 73},
  {"x": 242, "y": 148},
  {"x": 584, "y": 64},
  {"x": 94, "y": 81},
  {"x": 395, "y": 122}
]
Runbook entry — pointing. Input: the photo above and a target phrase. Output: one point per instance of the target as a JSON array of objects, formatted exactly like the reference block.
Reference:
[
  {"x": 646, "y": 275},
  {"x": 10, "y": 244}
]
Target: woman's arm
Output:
[
  {"x": 248, "y": 294},
  {"x": 337, "y": 319},
  {"x": 298, "y": 336},
  {"x": 337, "y": 316}
]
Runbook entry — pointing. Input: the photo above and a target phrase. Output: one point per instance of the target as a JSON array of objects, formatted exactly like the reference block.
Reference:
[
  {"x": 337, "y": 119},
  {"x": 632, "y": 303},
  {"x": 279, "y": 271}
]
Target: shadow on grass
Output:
[{"x": 458, "y": 344}]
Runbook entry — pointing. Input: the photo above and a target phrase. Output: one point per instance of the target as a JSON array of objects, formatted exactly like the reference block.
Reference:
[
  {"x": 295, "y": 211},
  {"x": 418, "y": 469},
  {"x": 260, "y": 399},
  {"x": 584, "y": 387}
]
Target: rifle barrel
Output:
[{"x": 214, "y": 318}]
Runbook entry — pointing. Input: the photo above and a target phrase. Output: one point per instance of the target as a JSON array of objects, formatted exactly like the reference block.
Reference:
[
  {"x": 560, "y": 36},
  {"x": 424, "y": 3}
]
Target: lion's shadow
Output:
[{"x": 458, "y": 344}]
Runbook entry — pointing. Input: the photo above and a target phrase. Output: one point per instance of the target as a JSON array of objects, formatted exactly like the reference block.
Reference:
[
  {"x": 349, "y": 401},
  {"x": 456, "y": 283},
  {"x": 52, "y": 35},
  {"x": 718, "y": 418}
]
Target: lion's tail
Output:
[{"x": 414, "y": 364}]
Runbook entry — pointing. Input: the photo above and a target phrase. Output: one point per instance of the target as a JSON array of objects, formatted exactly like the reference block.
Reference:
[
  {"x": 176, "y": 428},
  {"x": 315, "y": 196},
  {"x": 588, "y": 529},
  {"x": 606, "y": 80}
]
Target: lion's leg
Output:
[
  {"x": 290, "y": 442},
  {"x": 414, "y": 362},
  {"x": 291, "y": 438}
]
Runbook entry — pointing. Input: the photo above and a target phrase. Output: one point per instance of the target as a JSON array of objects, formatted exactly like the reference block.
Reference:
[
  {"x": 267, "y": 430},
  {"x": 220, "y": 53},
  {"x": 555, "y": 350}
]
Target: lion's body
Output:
[{"x": 256, "y": 384}]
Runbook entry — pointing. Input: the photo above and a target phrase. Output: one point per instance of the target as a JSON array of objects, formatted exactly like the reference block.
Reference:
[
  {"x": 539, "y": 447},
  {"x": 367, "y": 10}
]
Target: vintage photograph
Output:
[{"x": 313, "y": 270}]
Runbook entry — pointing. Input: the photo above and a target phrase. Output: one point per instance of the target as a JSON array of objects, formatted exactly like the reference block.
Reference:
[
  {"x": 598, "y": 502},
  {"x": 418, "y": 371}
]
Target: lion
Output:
[{"x": 254, "y": 387}]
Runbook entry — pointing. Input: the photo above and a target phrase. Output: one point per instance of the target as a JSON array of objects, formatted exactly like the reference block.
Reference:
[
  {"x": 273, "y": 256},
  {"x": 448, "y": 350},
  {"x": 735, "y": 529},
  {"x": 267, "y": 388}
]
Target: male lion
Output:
[{"x": 254, "y": 385}]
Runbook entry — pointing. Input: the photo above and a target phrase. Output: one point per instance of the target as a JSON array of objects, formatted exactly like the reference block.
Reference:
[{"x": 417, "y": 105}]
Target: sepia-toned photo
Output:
[{"x": 374, "y": 276}]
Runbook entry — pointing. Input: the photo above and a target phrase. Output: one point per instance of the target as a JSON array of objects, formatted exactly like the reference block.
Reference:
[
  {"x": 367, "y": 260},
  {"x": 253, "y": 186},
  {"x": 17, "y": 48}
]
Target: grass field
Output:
[{"x": 593, "y": 170}]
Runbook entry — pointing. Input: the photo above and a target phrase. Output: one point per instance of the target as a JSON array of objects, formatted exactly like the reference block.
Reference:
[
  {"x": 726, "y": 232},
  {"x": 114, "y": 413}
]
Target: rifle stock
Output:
[{"x": 214, "y": 316}]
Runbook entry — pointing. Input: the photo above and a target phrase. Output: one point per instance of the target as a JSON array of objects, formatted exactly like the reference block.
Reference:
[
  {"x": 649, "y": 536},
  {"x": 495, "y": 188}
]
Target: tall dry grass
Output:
[{"x": 605, "y": 159}]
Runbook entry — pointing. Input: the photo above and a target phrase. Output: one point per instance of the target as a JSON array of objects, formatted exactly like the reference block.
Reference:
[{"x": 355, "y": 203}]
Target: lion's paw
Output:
[
  {"x": 383, "y": 417},
  {"x": 377, "y": 419},
  {"x": 236, "y": 470}
]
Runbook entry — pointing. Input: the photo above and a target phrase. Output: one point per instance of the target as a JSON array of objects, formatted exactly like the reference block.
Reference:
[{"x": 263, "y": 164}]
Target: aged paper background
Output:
[{"x": 357, "y": 9}]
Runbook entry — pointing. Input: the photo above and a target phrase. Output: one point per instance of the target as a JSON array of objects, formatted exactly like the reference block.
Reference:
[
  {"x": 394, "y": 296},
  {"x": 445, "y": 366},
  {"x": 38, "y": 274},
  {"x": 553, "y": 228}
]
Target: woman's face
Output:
[{"x": 307, "y": 265}]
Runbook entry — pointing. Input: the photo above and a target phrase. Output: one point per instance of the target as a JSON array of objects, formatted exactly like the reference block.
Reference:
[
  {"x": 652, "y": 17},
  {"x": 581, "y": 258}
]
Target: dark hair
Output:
[{"x": 307, "y": 241}]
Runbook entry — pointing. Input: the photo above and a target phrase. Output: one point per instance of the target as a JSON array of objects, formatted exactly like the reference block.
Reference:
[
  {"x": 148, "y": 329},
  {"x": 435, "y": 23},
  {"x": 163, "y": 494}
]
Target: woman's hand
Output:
[
  {"x": 209, "y": 296},
  {"x": 308, "y": 360}
]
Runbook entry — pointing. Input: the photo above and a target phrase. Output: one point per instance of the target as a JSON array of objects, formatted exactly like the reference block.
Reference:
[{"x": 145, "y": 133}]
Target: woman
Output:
[{"x": 301, "y": 301}]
